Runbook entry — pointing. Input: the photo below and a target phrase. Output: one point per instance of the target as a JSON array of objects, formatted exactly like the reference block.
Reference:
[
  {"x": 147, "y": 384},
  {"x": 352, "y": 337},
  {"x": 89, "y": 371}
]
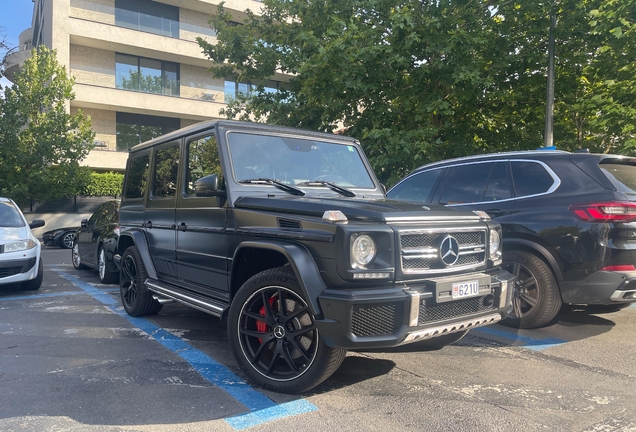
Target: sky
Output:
[{"x": 15, "y": 17}]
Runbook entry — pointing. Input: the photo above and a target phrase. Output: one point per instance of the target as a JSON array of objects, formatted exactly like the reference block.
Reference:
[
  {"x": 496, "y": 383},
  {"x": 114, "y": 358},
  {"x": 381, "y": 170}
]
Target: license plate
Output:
[{"x": 465, "y": 289}]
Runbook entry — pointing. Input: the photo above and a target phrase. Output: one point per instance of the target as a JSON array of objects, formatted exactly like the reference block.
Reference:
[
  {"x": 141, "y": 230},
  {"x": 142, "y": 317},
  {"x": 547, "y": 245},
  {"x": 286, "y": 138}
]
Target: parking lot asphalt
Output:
[{"x": 72, "y": 359}]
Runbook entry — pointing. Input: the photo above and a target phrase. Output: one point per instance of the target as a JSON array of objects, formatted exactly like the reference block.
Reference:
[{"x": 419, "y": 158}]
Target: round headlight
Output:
[
  {"x": 495, "y": 244},
  {"x": 362, "y": 250}
]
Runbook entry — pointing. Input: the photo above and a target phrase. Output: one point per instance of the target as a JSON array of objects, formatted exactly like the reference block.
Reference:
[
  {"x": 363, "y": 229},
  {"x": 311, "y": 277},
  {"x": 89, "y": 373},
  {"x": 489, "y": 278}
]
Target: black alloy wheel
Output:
[
  {"x": 536, "y": 299},
  {"x": 135, "y": 297},
  {"x": 273, "y": 335},
  {"x": 66, "y": 242}
]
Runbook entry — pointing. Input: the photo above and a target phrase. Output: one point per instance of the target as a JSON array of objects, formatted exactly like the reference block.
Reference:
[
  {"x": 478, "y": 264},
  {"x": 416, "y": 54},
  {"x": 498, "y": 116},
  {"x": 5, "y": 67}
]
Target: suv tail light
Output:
[{"x": 605, "y": 212}]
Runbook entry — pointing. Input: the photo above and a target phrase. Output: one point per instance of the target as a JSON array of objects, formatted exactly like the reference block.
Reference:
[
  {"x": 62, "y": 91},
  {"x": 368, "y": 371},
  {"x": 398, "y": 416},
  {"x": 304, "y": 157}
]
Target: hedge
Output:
[{"x": 104, "y": 184}]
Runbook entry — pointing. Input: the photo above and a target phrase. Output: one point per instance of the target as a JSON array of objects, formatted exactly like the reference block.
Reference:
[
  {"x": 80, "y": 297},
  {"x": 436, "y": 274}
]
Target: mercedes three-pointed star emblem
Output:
[{"x": 449, "y": 250}]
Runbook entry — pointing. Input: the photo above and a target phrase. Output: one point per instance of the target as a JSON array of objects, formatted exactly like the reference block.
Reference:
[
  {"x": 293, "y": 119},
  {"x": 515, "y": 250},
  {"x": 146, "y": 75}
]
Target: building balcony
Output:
[
  {"x": 15, "y": 59},
  {"x": 113, "y": 99}
]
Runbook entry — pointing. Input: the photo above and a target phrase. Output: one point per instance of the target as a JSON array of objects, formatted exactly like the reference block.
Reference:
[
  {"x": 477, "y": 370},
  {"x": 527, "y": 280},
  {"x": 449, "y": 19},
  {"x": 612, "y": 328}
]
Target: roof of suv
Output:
[
  {"x": 205, "y": 125},
  {"x": 531, "y": 154}
]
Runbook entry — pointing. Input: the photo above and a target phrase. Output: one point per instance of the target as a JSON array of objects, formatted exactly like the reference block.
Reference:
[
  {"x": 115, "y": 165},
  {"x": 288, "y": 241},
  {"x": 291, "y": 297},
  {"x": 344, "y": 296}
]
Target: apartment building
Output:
[{"x": 139, "y": 71}]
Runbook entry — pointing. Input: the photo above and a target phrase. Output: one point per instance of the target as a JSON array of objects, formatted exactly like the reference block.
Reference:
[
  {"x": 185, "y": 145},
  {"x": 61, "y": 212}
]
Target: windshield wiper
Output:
[
  {"x": 334, "y": 187},
  {"x": 280, "y": 185}
]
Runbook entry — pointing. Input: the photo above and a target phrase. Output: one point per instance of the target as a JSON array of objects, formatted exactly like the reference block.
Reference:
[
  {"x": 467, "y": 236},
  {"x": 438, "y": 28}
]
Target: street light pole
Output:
[{"x": 549, "y": 106}]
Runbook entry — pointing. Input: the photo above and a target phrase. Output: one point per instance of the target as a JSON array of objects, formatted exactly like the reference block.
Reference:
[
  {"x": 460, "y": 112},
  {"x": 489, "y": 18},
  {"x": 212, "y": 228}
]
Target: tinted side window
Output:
[
  {"x": 137, "y": 177},
  {"x": 466, "y": 183},
  {"x": 166, "y": 172},
  {"x": 97, "y": 216},
  {"x": 203, "y": 160},
  {"x": 498, "y": 187},
  {"x": 530, "y": 178},
  {"x": 416, "y": 188}
]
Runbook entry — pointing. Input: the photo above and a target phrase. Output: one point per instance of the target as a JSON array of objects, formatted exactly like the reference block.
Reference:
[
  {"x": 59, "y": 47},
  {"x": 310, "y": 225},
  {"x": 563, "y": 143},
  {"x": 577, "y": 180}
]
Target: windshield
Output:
[
  {"x": 9, "y": 216},
  {"x": 295, "y": 161}
]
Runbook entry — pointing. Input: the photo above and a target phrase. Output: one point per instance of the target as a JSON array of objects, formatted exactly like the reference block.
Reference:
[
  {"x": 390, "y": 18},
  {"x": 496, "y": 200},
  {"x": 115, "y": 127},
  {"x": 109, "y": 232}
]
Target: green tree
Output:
[
  {"x": 40, "y": 143},
  {"x": 418, "y": 81},
  {"x": 595, "y": 76},
  {"x": 392, "y": 75}
]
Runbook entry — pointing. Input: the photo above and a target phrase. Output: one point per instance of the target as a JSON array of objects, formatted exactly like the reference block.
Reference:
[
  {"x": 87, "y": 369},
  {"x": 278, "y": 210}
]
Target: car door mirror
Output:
[
  {"x": 208, "y": 186},
  {"x": 84, "y": 223},
  {"x": 36, "y": 223}
]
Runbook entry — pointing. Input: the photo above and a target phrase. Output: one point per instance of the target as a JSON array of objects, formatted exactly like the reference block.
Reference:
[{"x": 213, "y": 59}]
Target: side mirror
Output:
[
  {"x": 208, "y": 186},
  {"x": 84, "y": 223},
  {"x": 36, "y": 223}
]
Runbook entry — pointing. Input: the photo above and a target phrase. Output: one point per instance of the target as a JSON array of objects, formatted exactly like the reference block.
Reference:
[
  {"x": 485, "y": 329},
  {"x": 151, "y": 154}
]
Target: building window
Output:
[
  {"x": 147, "y": 16},
  {"x": 146, "y": 75},
  {"x": 232, "y": 88},
  {"x": 133, "y": 129}
]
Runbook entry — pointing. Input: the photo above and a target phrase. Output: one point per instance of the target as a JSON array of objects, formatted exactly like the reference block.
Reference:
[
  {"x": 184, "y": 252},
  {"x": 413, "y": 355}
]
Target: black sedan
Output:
[
  {"x": 96, "y": 242},
  {"x": 60, "y": 237}
]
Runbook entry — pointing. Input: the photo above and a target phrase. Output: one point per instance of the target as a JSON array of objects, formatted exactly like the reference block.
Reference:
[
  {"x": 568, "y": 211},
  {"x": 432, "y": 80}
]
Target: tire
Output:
[
  {"x": 35, "y": 284},
  {"x": 278, "y": 346},
  {"x": 441, "y": 341},
  {"x": 135, "y": 297},
  {"x": 106, "y": 274},
  {"x": 67, "y": 240},
  {"x": 76, "y": 258},
  {"x": 536, "y": 298}
]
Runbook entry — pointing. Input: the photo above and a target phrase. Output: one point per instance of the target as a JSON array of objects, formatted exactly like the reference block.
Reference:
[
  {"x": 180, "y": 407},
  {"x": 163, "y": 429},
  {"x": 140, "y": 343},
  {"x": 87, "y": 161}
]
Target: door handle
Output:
[
  {"x": 182, "y": 226},
  {"x": 147, "y": 224}
]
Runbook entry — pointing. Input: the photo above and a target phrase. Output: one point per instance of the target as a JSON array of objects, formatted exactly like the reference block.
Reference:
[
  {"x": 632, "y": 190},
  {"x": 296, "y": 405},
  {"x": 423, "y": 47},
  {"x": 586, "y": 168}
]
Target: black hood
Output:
[{"x": 381, "y": 210}]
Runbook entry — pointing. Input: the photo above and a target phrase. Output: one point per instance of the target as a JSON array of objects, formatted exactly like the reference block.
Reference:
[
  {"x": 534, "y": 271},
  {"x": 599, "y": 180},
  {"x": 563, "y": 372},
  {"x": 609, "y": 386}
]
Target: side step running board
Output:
[{"x": 188, "y": 298}]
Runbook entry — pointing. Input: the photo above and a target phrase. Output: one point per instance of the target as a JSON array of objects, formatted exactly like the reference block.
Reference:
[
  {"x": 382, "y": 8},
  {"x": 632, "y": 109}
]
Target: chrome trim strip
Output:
[
  {"x": 619, "y": 295},
  {"x": 406, "y": 254},
  {"x": 410, "y": 219},
  {"x": 432, "y": 332},
  {"x": 185, "y": 299},
  {"x": 503, "y": 294},
  {"x": 419, "y": 256},
  {"x": 440, "y": 230},
  {"x": 446, "y": 270},
  {"x": 414, "y": 312}
]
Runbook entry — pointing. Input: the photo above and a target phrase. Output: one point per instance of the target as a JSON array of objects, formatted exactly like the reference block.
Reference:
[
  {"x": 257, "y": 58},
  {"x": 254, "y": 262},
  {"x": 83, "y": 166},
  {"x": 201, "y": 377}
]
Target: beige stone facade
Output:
[
  {"x": 88, "y": 37},
  {"x": 94, "y": 10},
  {"x": 198, "y": 83},
  {"x": 93, "y": 66}
]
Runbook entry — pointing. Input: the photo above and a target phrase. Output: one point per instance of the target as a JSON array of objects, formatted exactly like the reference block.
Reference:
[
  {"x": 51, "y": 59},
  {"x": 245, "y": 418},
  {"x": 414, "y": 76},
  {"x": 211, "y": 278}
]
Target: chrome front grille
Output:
[{"x": 420, "y": 250}]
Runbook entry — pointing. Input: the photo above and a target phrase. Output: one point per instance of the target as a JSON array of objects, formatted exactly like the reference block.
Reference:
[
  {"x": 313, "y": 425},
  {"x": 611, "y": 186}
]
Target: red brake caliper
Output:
[{"x": 261, "y": 326}]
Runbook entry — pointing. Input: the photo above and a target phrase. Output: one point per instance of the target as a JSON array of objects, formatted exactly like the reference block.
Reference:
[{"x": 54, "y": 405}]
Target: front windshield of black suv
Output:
[{"x": 296, "y": 161}]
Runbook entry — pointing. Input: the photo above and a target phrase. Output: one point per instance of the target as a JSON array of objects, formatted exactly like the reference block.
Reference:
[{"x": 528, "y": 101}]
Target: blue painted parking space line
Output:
[
  {"x": 526, "y": 341},
  {"x": 37, "y": 296},
  {"x": 262, "y": 409},
  {"x": 288, "y": 409}
]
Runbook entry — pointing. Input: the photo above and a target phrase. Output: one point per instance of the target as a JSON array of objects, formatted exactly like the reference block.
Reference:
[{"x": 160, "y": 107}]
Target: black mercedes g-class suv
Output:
[{"x": 288, "y": 235}]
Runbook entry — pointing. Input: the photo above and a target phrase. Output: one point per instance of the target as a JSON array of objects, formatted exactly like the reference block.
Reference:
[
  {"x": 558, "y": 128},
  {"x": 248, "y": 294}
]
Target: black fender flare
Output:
[
  {"x": 539, "y": 250},
  {"x": 301, "y": 262},
  {"x": 140, "y": 242}
]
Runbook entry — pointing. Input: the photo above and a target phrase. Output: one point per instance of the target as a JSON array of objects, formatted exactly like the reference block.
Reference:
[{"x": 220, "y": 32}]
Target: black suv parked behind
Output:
[
  {"x": 569, "y": 223},
  {"x": 288, "y": 234}
]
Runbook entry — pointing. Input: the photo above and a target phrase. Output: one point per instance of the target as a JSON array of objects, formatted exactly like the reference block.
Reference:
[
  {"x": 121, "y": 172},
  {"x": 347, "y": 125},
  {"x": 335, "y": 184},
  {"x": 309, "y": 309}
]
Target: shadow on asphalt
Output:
[{"x": 354, "y": 369}]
